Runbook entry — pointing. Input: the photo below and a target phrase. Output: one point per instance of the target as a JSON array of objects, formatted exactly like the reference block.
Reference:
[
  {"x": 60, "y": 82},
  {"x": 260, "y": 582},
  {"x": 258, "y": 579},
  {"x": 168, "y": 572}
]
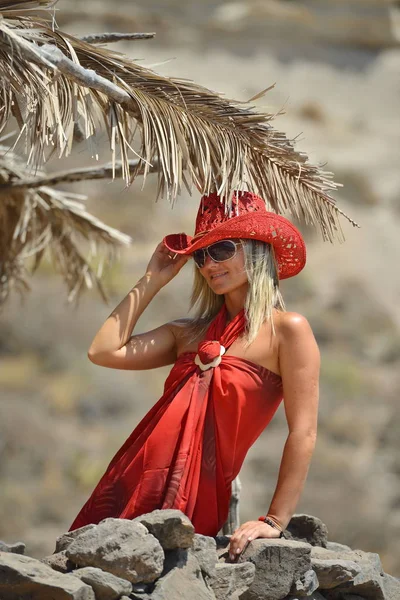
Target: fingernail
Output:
[
  {"x": 238, "y": 551},
  {"x": 231, "y": 556}
]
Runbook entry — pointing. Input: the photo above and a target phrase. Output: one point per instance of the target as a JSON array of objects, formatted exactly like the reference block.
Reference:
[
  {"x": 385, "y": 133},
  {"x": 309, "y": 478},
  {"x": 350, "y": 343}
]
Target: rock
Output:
[
  {"x": 59, "y": 562},
  {"x": 204, "y": 549},
  {"x": 231, "y": 580},
  {"x": 66, "y": 539},
  {"x": 306, "y": 584},
  {"x": 306, "y": 528},
  {"x": 26, "y": 577},
  {"x": 334, "y": 572},
  {"x": 181, "y": 579},
  {"x": 391, "y": 587},
  {"x": 172, "y": 528},
  {"x": 336, "y": 547},
  {"x": 17, "y": 548},
  {"x": 367, "y": 583},
  {"x": 222, "y": 542},
  {"x": 105, "y": 585},
  {"x": 121, "y": 547},
  {"x": 279, "y": 563}
]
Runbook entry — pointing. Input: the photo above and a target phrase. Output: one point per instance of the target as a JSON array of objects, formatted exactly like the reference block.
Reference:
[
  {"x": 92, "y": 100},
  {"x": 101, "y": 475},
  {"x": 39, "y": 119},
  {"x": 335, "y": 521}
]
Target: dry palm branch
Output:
[
  {"x": 33, "y": 220},
  {"x": 52, "y": 83}
]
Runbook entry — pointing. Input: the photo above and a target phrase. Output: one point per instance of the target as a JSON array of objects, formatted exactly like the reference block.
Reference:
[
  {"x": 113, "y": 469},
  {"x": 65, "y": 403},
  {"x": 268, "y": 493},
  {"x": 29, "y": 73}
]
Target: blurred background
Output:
[{"x": 335, "y": 65}]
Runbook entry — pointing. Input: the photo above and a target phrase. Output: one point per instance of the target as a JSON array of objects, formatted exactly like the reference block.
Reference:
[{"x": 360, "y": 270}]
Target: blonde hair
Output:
[{"x": 263, "y": 295}]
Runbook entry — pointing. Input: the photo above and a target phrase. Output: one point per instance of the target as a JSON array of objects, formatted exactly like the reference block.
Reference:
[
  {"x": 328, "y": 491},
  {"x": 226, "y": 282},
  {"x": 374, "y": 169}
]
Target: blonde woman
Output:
[{"x": 233, "y": 363}]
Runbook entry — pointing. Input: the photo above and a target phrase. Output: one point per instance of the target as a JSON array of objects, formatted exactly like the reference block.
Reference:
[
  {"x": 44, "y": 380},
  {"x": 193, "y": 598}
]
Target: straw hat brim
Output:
[{"x": 288, "y": 243}]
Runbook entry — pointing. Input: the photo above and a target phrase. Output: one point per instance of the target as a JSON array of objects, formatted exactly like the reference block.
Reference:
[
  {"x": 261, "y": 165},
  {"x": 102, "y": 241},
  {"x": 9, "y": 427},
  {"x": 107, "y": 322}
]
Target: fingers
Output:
[
  {"x": 241, "y": 538},
  {"x": 246, "y": 533}
]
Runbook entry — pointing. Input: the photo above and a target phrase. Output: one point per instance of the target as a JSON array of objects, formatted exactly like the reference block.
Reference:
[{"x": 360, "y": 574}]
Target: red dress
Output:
[{"x": 187, "y": 450}]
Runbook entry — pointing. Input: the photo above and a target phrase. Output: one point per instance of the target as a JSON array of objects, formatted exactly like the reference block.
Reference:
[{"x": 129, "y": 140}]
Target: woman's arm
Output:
[
  {"x": 113, "y": 345},
  {"x": 299, "y": 362}
]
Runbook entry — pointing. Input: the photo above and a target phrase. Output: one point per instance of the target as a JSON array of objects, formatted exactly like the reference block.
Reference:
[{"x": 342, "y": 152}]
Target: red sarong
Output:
[{"x": 187, "y": 450}]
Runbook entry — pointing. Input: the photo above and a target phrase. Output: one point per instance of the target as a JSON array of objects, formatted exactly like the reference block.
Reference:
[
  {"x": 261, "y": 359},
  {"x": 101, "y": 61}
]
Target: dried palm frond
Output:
[
  {"x": 35, "y": 220},
  {"x": 51, "y": 81}
]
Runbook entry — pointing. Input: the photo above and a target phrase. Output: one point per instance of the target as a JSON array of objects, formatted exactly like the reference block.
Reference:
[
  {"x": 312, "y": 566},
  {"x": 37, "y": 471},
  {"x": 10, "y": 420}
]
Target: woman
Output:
[{"x": 233, "y": 364}]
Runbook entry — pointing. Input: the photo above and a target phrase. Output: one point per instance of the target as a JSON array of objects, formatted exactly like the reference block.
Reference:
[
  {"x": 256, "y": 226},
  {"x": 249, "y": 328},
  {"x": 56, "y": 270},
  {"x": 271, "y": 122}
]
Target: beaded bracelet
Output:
[{"x": 271, "y": 523}]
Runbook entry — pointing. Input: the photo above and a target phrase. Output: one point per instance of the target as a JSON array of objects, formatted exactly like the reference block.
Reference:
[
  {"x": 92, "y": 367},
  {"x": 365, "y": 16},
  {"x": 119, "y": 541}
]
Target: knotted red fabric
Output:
[{"x": 187, "y": 450}]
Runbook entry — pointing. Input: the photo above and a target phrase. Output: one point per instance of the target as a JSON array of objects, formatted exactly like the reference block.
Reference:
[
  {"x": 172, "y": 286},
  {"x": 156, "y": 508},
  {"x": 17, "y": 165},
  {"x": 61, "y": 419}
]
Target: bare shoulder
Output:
[
  {"x": 292, "y": 325},
  {"x": 296, "y": 339}
]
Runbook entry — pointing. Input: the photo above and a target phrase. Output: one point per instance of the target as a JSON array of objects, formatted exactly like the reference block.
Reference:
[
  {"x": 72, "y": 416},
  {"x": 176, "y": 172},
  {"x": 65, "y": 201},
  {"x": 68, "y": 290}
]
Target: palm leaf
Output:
[
  {"x": 34, "y": 220},
  {"x": 52, "y": 80}
]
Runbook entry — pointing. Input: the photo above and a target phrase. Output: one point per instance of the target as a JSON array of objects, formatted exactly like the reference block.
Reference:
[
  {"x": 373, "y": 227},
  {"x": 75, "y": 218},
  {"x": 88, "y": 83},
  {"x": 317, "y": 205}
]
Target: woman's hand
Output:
[
  {"x": 164, "y": 264},
  {"x": 247, "y": 532}
]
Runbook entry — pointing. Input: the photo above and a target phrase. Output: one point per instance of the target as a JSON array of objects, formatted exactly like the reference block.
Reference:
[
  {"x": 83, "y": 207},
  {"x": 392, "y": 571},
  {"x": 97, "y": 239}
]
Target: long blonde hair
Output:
[{"x": 263, "y": 295}]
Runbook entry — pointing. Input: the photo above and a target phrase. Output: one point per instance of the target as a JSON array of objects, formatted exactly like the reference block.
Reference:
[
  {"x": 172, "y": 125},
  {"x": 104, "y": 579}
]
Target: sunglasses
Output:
[{"x": 218, "y": 252}]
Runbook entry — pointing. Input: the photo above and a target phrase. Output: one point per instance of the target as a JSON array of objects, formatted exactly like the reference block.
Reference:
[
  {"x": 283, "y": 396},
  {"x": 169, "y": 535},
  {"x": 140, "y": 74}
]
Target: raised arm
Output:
[{"x": 114, "y": 345}]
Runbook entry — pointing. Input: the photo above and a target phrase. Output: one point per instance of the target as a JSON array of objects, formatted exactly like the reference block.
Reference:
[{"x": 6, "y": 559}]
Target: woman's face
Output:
[{"x": 228, "y": 276}]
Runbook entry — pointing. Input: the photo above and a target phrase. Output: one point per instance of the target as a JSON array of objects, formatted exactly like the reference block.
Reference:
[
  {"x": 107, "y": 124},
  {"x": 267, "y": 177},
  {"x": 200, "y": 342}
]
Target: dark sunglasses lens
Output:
[
  {"x": 199, "y": 257},
  {"x": 221, "y": 251}
]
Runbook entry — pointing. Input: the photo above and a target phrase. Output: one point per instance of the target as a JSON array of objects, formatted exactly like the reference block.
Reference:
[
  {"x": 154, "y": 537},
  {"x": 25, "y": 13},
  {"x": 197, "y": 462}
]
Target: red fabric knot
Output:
[{"x": 209, "y": 354}]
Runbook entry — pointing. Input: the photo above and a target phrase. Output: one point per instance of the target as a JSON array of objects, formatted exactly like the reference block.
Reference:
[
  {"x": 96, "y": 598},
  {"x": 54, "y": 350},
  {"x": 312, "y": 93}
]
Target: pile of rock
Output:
[{"x": 158, "y": 556}]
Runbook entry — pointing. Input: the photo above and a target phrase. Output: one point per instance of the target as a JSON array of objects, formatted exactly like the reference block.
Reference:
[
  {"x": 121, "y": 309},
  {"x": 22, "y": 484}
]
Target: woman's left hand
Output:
[{"x": 247, "y": 532}]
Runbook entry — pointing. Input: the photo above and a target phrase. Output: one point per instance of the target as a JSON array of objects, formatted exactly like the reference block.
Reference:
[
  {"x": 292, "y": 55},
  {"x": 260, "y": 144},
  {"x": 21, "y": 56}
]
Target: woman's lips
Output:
[{"x": 218, "y": 275}]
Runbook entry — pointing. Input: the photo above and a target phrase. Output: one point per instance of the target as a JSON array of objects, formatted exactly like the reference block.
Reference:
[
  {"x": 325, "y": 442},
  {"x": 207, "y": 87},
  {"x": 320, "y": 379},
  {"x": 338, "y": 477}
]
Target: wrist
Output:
[{"x": 268, "y": 521}]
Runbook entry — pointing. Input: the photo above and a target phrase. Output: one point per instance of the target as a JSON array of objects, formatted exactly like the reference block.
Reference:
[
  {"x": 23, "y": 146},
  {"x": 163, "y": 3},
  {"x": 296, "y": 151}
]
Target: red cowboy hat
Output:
[{"x": 248, "y": 219}]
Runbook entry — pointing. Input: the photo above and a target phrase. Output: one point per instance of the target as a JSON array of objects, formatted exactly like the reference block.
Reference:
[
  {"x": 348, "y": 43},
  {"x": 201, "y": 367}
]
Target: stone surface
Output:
[
  {"x": 306, "y": 528},
  {"x": 17, "y": 548},
  {"x": 66, "y": 539},
  {"x": 336, "y": 547},
  {"x": 59, "y": 562},
  {"x": 306, "y": 584},
  {"x": 334, "y": 572},
  {"x": 369, "y": 581},
  {"x": 172, "y": 528},
  {"x": 23, "y": 577},
  {"x": 181, "y": 579},
  {"x": 279, "y": 563},
  {"x": 121, "y": 547},
  {"x": 231, "y": 580},
  {"x": 204, "y": 549},
  {"x": 105, "y": 585},
  {"x": 391, "y": 587}
]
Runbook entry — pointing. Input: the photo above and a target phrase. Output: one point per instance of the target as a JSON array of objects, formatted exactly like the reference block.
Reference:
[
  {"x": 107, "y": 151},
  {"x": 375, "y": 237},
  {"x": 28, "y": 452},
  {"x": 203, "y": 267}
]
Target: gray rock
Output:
[
  {"x": 222, "y": 542},
  {"x": 279, "y": 563},
  {"x": 306, "y": 584},
  {"x": 334, "y": 572},
  {"x": 204, "y": 549},
  {"x": 369, "y": 581},
  {"x": 391, "y": 587},
  {"x": 105, "y": 585},
  {"x": 121, "y": 547},
  {"x": 181, "y": 579},
  {"x": 17, "y": 548},
  {"x": 66, "y": 539},
  {"x": 231, "y": 580},
  {"x": 306, "y": 528},
  {"x": 336, "y": 547},
  {"x": 26, "y": 577},
  {"x": 172, "y": 528},
  {"x": 59, "y": 562}
]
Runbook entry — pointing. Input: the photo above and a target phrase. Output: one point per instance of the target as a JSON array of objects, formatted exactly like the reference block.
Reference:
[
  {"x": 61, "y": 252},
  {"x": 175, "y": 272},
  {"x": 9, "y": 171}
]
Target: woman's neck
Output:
[{"x": 234, "y": 302}]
